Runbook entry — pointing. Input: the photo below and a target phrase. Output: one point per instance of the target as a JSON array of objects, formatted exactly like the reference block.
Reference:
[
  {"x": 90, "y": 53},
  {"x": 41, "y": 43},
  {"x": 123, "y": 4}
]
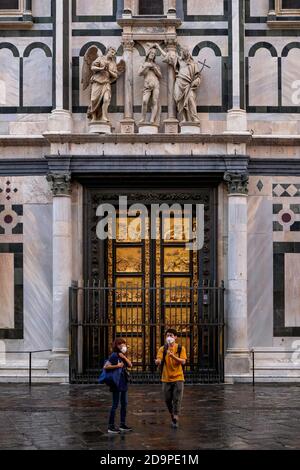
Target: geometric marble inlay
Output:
[
  {"x": 286, "y": 217},
  {"x": 260, "y": 185},
  {"x": 11, "y": 219},
  {"x": 286, "y": 190},
  {"x": 286, "y": 289},
  {"x": 8, "y": 190}
]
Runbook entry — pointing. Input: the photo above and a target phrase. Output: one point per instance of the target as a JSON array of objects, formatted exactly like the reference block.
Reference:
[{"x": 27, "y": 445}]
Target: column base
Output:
[
  {"x": 171, "y": 126},
  {"x": 237, "y": 363},
  {"x": 59, "y": 363},
  {"x": 237, "y": 122},
  {"x": 148, "y": 128},
  {"x": 60, "y": 121},
  {"x": 190, "y": 128},
  {"x": 127, "y": 126},
  {"x": 100, "y": 127}
]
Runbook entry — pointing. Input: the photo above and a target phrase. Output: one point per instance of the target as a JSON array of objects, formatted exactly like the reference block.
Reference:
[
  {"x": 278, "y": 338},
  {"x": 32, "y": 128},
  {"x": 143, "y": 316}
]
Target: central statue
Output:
[
  {"x": 152, "y": 75},
  {"x": 188, "y": 79}
]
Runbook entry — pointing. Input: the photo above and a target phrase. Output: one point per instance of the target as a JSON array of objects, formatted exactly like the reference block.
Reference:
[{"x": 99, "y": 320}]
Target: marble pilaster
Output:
[
  {"x": 127, "y": 124},
  {"x": 236, "y": 117},
  {"x": 62, "y": 269},
  {"x": 237, "y": 357},
  {"x": 171, "y": 124},
  {"x": 60, "y": 119}
]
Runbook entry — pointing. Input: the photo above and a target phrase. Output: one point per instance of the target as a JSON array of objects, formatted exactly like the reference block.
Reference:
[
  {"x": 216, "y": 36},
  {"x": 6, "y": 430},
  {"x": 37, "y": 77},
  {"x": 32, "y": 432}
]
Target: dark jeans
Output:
[
  {"x": 116, "y": 395},
  {"x": 173, "y": 393}
]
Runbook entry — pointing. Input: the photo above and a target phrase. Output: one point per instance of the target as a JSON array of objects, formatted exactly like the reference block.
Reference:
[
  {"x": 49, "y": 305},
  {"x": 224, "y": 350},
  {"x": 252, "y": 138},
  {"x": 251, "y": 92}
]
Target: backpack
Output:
[{"x": 164, "y": 358}]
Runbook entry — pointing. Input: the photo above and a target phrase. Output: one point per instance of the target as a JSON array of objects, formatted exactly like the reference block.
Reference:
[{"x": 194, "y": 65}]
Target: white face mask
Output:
[
  {"x": 123, "y": 349},
  {"x": 170, "y": 340}
]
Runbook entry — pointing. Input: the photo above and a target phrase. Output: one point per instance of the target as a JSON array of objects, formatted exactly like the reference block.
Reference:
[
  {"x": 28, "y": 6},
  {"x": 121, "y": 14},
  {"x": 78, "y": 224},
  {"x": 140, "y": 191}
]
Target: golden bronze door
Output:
[
  {"x": 152, "y": 286},
  {"x": 137, "y": 285}
]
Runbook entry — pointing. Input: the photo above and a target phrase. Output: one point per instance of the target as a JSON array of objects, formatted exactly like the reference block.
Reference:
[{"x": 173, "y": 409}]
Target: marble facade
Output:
[{"x": 248, "y": 105}]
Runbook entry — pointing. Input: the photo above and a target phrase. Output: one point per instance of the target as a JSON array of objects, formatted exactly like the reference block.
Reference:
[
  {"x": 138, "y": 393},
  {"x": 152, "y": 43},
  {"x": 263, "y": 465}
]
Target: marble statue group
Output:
[{"x": 101, "y": 70}]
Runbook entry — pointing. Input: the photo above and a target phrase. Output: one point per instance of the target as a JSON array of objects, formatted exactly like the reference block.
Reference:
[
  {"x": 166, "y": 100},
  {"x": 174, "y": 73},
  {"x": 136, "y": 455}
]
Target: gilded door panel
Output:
[
  {"x": 176, "y": 260},
  {"x": 129, "y": 289},
  {"x": 129, "y": 318},
  {"x": 128, "y": 260},
  {"x": 178, "y": 317},
  {"x": 177, "y": 289}
]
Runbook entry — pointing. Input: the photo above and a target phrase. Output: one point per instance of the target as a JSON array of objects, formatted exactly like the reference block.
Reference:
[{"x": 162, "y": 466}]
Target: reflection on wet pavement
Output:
[{"x": 213, "y": 417}]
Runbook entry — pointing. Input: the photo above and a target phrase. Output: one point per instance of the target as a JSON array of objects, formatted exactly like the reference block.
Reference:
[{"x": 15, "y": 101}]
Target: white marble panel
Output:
[
  {"x": 94, "y": 7},
  {"x": 7, "y": 295},
  {"x": 260, "y": 210},
  {"x": 38, "y": 276},
  {"x": 41, "y": 7},
  {"x": 30, "y": 190},
  {"x": 263, "y": 79},
  {"x": 9, "y": 78},
  {"x": 210, "y": 90},
  {"x": 203, "y": 7},
  {"x": 292, "y": 289},
  {"x": 37, "y": 79},
  {"x": 260, "y": 289},
  {"x": 291, "y": 75},
  {"x": 259, "y": 7},
  {"x": 255, "y": 188}
]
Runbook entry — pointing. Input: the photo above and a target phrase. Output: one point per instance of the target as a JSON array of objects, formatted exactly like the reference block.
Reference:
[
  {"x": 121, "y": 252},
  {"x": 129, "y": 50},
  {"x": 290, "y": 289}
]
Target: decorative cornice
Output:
[
  {"x": 48, "y": 138},
  {"x": 237, "y": 183},
  {"x": 153, "y": 197},
  {"x": 60, "y": 183},
  {"x": 146, "y": 22},
  {"x": 60, "y": 138}
]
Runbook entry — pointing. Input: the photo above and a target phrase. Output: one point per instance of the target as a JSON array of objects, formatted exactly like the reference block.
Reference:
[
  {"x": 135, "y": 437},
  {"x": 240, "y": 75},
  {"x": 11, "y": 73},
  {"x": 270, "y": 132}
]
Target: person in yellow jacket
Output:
[{"x": 171, "y": 358}]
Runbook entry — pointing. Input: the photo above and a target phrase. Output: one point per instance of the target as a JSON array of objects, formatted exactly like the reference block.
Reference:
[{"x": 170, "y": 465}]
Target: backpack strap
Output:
[
  {"x": 163, "y": 359},
  {"x": 164, "y": 356}
]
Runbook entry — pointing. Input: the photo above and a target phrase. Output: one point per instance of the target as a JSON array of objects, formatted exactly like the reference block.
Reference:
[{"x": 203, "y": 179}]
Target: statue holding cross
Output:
[{"x": 188, "y": 79}]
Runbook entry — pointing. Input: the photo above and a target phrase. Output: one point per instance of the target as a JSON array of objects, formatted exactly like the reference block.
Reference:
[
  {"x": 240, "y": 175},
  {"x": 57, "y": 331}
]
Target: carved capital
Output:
[
  {"x": 171, "y": 44},
  {"x": 237, "y": 183},
  {"x": 60, "y": 183},
  {"x": 128, "y": 45}
]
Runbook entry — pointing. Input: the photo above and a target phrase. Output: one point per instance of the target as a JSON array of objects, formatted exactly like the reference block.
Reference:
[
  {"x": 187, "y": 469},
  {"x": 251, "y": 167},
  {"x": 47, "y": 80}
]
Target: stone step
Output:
[
  {"x": 42, "y": 364},
  {"x": 18, "y": 372},
  {"x": 38, "y": 379}
]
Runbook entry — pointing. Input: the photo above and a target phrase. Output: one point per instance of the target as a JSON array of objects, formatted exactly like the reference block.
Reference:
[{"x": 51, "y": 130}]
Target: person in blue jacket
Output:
[{"x": 117, "y": 360}]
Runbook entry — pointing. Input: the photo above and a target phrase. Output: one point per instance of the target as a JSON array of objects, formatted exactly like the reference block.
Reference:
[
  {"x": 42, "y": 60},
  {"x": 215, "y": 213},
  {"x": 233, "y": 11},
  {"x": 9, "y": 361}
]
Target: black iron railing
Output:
[
  {"x": 30, "y": 353},
  {"x": 256, "y": 352},
  {"x": 141, "y": 315}
]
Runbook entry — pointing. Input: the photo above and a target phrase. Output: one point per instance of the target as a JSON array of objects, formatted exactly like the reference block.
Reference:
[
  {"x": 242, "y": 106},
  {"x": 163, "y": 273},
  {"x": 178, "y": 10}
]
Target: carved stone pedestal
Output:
[
  {"x": 100, "y": 127},
  {"x": 60, "y": 121},
  {"x": 190, "y": 128},
  {"x": 171, "y": 126},
  {"x": 147, "y": 128},
  {"x": 127, "y": 126},
  {"x": 237, "y": 122}
]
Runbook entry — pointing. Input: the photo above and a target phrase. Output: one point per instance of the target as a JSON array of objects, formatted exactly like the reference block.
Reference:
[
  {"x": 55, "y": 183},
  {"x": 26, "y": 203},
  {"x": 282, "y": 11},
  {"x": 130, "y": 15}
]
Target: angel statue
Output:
[
  {"x": 100, "y": 71},
  {"x": 188, "y": 79},
  {"x": 152, "y": 75}
]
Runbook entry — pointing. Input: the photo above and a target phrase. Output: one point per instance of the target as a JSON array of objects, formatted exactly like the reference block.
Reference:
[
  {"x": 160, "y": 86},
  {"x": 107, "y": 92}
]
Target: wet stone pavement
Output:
[{"x": 213, "y": 417}]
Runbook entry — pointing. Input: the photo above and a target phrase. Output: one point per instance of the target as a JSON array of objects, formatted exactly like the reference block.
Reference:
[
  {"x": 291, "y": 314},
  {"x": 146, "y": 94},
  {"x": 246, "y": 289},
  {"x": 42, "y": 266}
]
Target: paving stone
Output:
[{"x": 213, "y": 417}]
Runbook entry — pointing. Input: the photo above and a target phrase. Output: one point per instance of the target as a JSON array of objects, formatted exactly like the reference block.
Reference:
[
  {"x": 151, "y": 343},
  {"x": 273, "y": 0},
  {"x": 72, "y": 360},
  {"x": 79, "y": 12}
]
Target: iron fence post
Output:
[
  {"x": 30, "y": 358},
  {"x": 253, "y": 368}
]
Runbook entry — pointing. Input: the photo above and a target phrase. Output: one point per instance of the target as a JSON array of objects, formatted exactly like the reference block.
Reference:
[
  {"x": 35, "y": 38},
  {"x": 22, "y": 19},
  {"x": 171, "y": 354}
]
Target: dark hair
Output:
[
  {"x": 117, "y": 343},
  {"x": 172, "y": 331}
]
